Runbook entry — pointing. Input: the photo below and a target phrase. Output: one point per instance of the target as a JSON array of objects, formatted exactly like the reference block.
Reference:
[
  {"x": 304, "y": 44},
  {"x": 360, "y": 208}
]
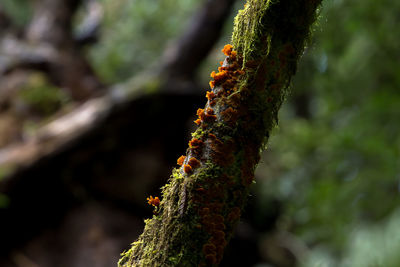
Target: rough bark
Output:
[{"x": 205, "y": 196}]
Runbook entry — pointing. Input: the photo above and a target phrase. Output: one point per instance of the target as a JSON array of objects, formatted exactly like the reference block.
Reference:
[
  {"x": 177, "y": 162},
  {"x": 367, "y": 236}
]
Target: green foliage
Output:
[
  {"x": 369, "y": 246},
  {"x": 19, "y": 10},
  {"x": 135, "y": 33},
  {"x": 339, "y": 169},
  {"x": 376, "y": 245}
]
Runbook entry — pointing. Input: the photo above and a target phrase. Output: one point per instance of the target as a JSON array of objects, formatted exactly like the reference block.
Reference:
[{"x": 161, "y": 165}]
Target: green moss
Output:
[
  {"x": 125, "y": 256},
  {"x": 199, "y": 133},
  {"x": 248, "y": 30},
  {"x": 176, "y": 174}
]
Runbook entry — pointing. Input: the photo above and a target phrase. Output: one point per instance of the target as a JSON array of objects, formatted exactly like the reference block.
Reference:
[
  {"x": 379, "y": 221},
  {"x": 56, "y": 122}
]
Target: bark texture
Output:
[{"x": 204, "y": 198}]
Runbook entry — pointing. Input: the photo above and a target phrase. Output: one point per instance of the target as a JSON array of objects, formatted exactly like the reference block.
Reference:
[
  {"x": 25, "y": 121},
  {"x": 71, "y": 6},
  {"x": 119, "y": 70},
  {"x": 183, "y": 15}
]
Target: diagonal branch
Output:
[
  {"x": 51, "y": 25},
  {"x": 20, "y": 55},
  {"x": 204, "y": 199},
  {"x": 183, "y": 58}
]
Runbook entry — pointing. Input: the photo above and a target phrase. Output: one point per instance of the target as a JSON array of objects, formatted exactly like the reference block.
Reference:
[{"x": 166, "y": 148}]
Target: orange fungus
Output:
[
  {"x": 181, "y": 160},
  {"x": 153, "y": 201},
  {"x": 187, "y": 168},
  {"x": 227, "y": 50},
  {"x": 194, "y": 163}
]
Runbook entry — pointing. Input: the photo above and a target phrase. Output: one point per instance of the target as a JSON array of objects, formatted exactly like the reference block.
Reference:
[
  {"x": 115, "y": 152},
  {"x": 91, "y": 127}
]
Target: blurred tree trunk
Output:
[
  {"x": 51, "y": 25},
  {"x": 47, "y": 43},
  {"x": 204, "y": 198}
]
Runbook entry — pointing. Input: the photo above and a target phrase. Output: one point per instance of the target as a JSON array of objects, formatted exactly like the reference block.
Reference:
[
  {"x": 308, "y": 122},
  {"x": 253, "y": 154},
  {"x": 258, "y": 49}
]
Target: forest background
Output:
[{"x": 327, "y": 189}]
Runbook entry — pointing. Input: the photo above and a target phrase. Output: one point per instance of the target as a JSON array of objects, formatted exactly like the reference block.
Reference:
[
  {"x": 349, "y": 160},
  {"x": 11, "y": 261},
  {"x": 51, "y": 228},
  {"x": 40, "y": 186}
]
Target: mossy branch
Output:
[{"x": 203, "y": 200}]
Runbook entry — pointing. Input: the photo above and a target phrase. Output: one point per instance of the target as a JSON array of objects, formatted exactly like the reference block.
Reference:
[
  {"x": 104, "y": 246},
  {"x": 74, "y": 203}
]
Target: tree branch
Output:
[
  {"x": 98, "y": 120},
  {"x": 20, "y": 54},
  {"x": 51, "y": 25},
  {"x": 203, "y": 201},
  {"x": 52, "y": 22},
  {"x": 183, "y": 58},
  {"x": 5, "y": 21},
  {"x": 17, "y": 54},
  {"x": 88, "y": 31}
]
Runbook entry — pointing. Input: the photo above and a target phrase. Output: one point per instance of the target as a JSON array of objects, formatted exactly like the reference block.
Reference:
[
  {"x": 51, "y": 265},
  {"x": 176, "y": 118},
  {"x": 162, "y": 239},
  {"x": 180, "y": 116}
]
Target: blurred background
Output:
[{"x": 97, "y": 100}]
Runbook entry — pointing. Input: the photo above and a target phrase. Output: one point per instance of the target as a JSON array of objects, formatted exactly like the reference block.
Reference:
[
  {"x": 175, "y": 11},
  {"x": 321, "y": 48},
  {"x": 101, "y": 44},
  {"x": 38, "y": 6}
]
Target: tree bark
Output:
[{"x": 205, "y": 196}]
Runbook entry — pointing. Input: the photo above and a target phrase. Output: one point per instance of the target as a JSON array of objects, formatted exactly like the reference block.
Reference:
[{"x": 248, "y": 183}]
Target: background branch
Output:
[
  {"x": 83, "y": 137},
  {"x": 183, "y": 58},
  {"x": 51, "y": 25}
]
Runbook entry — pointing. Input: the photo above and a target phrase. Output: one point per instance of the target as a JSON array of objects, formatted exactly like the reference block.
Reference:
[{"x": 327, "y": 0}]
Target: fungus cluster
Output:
[
  {"x": 221, "y": 152},
  {"x": 194, "y": 163},
  {"x": 215, "y": 219},
  {"x": 181, "y": 160},
  {"x": 210, "y": 198},
  {"x": 229, "y": 115},
  {"x": 223, "y": 84},
  {"x": 153, "y": 201},
  {"x": 209, "y": 205},
  {"x": 195, "y": 146},
  {"x": 228, "y": 73}
]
